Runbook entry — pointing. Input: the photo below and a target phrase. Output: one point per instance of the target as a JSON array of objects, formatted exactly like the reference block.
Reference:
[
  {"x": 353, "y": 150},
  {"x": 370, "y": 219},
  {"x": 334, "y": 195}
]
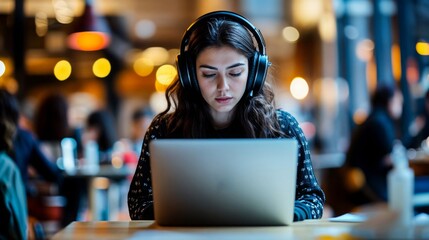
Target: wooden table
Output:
[
  {"x": 420, "y": 163},
  {"x": 376, "y": 226},
  {"x": 310, "y": 229},
  {"x": 115, "y": 177}
]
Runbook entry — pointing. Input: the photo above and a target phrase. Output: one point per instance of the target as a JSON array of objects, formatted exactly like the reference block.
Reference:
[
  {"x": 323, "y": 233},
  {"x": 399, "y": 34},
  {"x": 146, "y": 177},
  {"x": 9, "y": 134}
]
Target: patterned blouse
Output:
[{"x": 309, "y": 196}]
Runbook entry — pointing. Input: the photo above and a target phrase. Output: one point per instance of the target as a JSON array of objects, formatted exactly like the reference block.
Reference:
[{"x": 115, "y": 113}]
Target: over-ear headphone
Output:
[{"x": 258, "y": 64}]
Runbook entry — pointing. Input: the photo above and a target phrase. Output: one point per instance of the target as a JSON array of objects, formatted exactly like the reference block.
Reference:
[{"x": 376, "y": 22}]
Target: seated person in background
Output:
[
  {"x": 100, "y": 127},
  {"x": 219, "y": 99},
  {"x": 51, "y": 125},
  {"x": 13, "y": 201},
  {"x": 26, "y": 153},
  {"x": 372, "y": 143},
  {"x": 140, "y": 122}
]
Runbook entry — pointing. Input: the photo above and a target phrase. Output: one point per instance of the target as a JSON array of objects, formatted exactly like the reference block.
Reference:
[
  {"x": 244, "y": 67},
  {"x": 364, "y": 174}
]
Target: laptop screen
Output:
[{"x": 223, "y": 182}]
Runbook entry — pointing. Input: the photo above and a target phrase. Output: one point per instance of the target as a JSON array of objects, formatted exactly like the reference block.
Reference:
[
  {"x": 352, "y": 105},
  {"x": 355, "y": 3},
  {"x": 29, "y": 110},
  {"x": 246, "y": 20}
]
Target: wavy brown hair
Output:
[{"x": 187, "y": 111}]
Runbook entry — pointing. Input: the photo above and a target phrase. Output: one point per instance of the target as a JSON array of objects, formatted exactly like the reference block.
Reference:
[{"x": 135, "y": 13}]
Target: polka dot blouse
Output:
[{"x": 309, "y": 199}]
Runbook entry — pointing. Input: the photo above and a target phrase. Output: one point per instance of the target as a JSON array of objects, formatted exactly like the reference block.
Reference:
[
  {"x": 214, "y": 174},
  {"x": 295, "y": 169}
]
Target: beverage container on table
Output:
[
  {"x": 401, "y": 187},
  {"x": 91, "y": 156},
  {"x": 68, "y": 146}
]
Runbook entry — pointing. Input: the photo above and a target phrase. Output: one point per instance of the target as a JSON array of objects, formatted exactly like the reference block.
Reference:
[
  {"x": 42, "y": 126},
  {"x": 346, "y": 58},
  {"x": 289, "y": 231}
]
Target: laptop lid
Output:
[{"x": 224, "y": 182}]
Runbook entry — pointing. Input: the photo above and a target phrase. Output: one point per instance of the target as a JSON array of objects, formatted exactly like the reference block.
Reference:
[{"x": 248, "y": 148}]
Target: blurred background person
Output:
[
  {"x": 371, "y": 145},
  {"x": 52, "y": 124},
  {"x": 100, "y": 127},
  {"x": 40, "y": 175},
  {"x": 369, "y": 154},
  {"x": 140, "y": 121},
  {"x": 13, "y": 205},
  {"x": 31, "y": 159}
]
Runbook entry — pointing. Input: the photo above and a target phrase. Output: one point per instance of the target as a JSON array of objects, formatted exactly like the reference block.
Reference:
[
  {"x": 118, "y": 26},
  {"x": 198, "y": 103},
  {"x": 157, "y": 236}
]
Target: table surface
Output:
[
  {"x": 310, "y": 229},
  {"x": 420, "y": 163}
]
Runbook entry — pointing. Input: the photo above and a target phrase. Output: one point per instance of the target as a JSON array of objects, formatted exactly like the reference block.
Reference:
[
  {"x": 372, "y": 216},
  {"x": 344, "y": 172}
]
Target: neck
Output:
[{"x": 221, "y": 120}]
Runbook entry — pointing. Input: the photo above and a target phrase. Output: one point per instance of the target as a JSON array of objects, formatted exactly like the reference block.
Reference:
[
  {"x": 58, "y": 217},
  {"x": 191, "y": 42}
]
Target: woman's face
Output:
[{"x": 222, "y": 76}]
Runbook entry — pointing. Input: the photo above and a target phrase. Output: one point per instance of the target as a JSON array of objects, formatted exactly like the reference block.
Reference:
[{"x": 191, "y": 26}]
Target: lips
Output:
[{"x": 223, "y": 100}]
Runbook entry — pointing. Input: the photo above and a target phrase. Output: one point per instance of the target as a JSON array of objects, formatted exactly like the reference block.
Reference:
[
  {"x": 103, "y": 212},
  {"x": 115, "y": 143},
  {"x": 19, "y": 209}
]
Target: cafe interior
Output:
[{"x": 328, "y": 58}]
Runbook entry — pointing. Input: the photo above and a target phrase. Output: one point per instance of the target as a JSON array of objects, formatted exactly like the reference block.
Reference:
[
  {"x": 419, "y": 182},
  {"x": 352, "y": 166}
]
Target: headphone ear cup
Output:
[
  {"x": 182, "y": 71},
  {"x": 192, "y": 74},
  {"x": 262, "y": 65},
  {"x": 186, "y": 72},
  {"x": 257, "y": 72},
  {"x": 252, "y": 70}
]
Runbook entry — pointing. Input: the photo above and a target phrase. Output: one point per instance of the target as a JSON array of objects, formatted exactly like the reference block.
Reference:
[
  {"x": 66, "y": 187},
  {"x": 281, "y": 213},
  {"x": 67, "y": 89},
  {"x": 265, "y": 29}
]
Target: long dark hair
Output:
[
  {"x": 51, "y": 120},
  {"x": 104, "y": 121},
  {"x": 255, "y": 115},
  {"x": 9, "y": 115}
]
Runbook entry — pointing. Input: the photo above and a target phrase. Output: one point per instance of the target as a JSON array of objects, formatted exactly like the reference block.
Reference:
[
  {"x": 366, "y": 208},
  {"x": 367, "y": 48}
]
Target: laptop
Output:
[{"x": 224, "y": 182}]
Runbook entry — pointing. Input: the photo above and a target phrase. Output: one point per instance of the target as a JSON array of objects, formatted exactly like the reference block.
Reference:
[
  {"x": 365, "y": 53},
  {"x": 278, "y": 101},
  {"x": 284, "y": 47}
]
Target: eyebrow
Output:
[{"x": 229, "y": 67}]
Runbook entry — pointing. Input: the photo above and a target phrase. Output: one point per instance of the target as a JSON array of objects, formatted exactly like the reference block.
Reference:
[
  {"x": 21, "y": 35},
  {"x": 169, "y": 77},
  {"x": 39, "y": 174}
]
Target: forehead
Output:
[{"x": 219, "y": 55}]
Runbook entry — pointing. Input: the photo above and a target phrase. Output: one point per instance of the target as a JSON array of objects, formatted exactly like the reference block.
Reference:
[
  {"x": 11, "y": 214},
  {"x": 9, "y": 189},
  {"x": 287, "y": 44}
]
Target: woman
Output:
[{"x": 221, "y": 93}]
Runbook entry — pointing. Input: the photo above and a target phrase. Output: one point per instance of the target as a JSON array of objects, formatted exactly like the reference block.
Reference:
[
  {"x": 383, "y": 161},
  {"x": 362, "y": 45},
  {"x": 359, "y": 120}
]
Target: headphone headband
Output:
[{"x": 235, "y": 17}]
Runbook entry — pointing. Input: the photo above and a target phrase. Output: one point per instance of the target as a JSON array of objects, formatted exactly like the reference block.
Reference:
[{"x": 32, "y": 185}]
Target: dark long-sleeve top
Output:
[
  {"x": 309, "y": 198},
  {"x": 370, "y": 144},
  {"x": 27, "y": 152}
]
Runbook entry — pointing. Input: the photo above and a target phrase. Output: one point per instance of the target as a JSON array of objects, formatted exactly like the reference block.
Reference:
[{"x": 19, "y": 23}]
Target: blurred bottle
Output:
[
  {"x": 68, "y": 146},
  {"x": 401, "y": 187},
  {"x": 91, "y": 156}
]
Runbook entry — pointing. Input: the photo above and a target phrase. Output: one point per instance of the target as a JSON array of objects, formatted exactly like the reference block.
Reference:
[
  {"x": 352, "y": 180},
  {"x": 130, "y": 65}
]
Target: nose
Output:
[{"x": 222, "y": 83}]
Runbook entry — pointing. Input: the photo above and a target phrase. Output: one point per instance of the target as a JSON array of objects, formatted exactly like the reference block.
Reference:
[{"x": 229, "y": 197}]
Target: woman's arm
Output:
[
  {"x": 309, "y": 197},
  {"x": 140, "y": 198}
]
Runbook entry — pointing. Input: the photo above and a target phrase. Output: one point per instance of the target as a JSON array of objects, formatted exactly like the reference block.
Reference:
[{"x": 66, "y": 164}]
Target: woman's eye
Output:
[
  {"x": 208, "y": 75},
  {"x": 235, "y": 74}
]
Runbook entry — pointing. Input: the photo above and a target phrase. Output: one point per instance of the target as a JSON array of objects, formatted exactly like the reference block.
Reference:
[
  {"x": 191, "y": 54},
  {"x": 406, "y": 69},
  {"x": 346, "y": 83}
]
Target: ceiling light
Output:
[{"x": 91, "y": 32}]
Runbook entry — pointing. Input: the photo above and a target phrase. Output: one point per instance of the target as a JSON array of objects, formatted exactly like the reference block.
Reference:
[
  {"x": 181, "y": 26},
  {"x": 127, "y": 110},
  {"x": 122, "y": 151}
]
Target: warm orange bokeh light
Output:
[{"x": 88, "y": 41}]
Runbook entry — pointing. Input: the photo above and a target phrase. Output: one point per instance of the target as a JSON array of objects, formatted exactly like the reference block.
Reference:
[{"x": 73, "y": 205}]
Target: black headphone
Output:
[{"x": 258, "y": 64}]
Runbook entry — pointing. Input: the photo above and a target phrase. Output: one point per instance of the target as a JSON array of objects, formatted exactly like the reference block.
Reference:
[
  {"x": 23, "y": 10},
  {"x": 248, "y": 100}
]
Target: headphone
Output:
[{"x": 258, "y": 63}]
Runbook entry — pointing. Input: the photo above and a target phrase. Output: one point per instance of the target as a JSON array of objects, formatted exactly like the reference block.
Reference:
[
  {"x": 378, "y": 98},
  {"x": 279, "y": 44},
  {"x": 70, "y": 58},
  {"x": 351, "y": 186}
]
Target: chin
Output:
[{"x": 224, "y": 109}]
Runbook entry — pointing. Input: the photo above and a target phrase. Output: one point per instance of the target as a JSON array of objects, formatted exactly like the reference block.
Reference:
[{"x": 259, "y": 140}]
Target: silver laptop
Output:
[{"x": 224, "y": 182}]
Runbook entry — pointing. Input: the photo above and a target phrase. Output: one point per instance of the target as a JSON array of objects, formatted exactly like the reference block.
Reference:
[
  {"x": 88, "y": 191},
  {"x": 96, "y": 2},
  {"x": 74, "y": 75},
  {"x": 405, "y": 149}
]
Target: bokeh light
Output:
[
  {"x": 290, "y": 34},
  {"x": 143, "y": 66},
  {"x": 158, "y": 55},
  {"x": 101, "y": 67},
  {"x": 145, "y": 29},
  {"x": 299, "y": 88},
  {"x": 2, "y": 68},
  {"x": 62, "y": 70},
  {"x": 364, "y": 50},
  {"x": 166, "y": 74}
]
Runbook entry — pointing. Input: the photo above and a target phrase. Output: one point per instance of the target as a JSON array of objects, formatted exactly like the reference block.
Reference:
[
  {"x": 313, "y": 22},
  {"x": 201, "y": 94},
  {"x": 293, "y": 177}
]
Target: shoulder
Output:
[
  {"x": 288, "y": 123},
  {"x": 24, "y": 133},
  {"x": 158, "y": 126},
  {"x": 378, "y": 120},
  {"x": 8, "y": 166},
  {"x": 24, "y": 137}
]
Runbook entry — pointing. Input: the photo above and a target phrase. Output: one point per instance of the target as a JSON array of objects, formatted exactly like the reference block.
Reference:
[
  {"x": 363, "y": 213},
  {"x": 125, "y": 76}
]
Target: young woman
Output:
[{"x": 221, "y": 93}]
